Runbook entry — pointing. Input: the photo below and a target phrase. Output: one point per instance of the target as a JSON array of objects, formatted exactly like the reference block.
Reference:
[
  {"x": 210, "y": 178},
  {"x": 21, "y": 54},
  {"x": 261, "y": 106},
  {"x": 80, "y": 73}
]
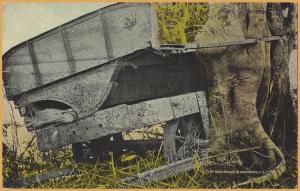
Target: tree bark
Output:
[
  {"x": 279, "y": 119},
  {"x": 239, "y": 83}
]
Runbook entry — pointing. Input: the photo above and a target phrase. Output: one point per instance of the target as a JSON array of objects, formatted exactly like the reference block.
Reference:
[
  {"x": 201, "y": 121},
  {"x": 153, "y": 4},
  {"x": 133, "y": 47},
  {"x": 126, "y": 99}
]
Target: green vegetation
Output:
[
  {"x": 106, "y": 174},
  {"x": 180, "y": 22}
]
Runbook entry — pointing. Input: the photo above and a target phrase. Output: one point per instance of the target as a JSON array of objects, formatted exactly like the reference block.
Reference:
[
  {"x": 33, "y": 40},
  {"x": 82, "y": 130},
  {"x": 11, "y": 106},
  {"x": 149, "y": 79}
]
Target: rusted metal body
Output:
[
  {"x": 106, "y": 73},
  {"x": 91, "y": 40},
  {"x": 101, "y": 74},
  {"x": 101, "y": 60}
]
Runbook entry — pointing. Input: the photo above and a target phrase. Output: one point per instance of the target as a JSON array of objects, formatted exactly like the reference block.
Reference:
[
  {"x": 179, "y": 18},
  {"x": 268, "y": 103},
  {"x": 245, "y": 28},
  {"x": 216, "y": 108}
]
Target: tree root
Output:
[
  {"x": 273, "y": 174},
  {"x": 237, "y": 86}
]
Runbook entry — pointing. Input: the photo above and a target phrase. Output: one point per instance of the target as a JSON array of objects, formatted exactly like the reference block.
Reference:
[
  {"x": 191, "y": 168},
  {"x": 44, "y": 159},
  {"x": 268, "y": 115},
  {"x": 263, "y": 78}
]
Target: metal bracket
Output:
[{"x": 193, "y": 47}]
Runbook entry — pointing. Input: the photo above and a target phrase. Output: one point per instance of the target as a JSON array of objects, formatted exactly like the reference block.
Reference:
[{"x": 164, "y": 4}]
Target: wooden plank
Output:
[
  {"x": 169, "y": 150},
  {"x": 106, "y": 34},
  {"x": 38, "y": 178},
  {"x": 201, "y": 99},
  {"x": 117, "y": 119},
  {"x": 161, "y": 173},
  {"x": 174, "y": 168},
  {"x": 37, "y": 72},
  {"x": 68, "y": 52},
  {"x": 183, "y": 105}
]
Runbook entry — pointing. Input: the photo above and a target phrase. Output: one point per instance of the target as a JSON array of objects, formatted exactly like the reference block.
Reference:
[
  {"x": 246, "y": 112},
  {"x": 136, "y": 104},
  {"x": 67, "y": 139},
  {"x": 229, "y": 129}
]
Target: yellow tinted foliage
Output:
[
  {"x": 180, "y": 22},
  {"x": 128, "y": 157}
]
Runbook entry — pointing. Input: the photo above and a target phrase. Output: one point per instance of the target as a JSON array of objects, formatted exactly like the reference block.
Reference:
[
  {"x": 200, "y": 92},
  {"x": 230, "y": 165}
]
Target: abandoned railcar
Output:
[{"x": 102, "y": 74}]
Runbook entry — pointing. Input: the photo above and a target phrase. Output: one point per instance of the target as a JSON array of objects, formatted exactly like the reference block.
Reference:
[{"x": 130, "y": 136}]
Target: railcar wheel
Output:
[{"x": 183, "y": 137}]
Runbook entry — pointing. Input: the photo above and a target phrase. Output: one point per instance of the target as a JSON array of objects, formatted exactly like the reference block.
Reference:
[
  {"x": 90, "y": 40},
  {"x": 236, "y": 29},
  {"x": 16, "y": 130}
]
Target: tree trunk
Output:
[
  {"x": 280, "y": 119},
  {"x": 239, "y": 82}
]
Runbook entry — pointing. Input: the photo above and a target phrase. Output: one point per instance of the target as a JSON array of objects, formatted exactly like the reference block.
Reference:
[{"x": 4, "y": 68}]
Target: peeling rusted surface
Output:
[
  {"x": 49, "y": 117},
  {"x": 134, "y": 78},
  {"x": 117, "y": 119},
  {"x": 78, "y": 45},
  {"x": 85, "y": 93},
  {"x": 37, "y": 72}
]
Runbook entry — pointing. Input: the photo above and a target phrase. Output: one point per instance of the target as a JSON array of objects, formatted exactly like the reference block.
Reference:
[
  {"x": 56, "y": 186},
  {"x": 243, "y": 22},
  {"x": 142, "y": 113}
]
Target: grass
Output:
[
  {"x": 106, "y": 174},
  {"x": 180, "y": 22}
]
